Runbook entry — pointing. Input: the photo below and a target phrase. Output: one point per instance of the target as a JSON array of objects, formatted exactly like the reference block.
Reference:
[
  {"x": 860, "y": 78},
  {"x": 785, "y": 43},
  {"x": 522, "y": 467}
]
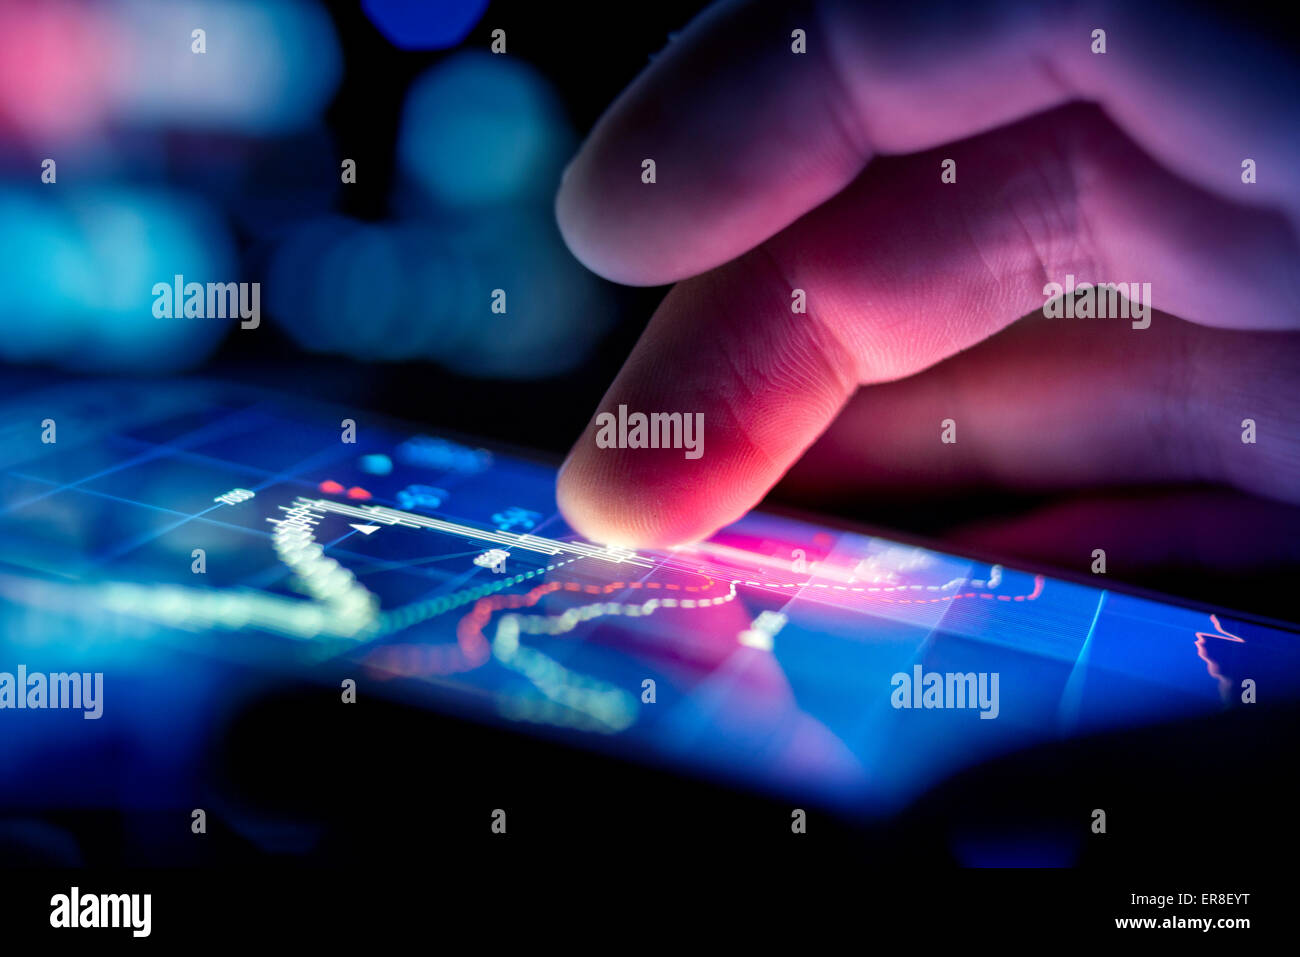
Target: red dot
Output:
[
  {"x": 357, "y": 491},
  {"x": 330, "y": 486}
]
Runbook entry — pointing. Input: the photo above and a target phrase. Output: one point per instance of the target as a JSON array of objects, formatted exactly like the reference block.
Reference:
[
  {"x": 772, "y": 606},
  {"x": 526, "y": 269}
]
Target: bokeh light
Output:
[
  {"x": 55, "y": 57},
  {"x": 69, "y": 70},
  {"x": 424, "y": 291},
  {"x": 233, "y": 144},
  {"x": 427, "y": 25},
  {"x": 270, "y": 66},
  {"x": 480, "y": 129},
  {"x": 78, "y": 270}
]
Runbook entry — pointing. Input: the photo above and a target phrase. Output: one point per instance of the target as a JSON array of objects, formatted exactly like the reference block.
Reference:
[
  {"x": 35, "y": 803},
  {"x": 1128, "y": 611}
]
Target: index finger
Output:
[{"x": 746, "y": 134}]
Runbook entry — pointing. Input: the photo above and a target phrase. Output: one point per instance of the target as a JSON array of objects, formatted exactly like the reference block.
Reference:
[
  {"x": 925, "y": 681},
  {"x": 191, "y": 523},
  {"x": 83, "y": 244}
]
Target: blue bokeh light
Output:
[
  {"x": 79, "y": 272},
  {"x": 268, "y": 67},
  {"x": 424, "y": 24},
  {"x": 480, "y": 129},
  {"x": 425, "y": 290}
]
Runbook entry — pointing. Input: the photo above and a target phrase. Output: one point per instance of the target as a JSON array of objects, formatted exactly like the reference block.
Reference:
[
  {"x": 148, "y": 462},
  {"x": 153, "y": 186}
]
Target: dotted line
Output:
[
  {"x": 571, "y": 618},
  {"x": 408, "y": 615},
  {"x": 995, "y": 579}
]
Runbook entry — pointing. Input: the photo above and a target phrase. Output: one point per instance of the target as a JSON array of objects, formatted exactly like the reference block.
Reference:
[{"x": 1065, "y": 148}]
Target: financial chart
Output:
[{"x": 159, "y": 533}]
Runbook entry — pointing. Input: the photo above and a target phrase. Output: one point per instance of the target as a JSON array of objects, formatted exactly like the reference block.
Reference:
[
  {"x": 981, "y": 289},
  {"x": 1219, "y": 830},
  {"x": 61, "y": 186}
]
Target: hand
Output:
[{"x": 821, "y": 171}]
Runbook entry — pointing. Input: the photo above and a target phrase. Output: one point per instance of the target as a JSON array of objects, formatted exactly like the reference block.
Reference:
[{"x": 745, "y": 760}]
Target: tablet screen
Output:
[{"x": 149, "y": 534}]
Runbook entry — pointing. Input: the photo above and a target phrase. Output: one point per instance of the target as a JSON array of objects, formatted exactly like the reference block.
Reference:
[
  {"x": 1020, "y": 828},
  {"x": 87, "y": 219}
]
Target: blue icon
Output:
[
  {"x": 376, "y": 464},
  {"x": 445, "y": 456},
  {"x": 421, "y": 496},
  {"x": 516, "y": 519}
]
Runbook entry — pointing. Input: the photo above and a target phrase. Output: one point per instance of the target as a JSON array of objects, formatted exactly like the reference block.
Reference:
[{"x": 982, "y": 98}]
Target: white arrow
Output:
[{"x": 365, "y": 529}]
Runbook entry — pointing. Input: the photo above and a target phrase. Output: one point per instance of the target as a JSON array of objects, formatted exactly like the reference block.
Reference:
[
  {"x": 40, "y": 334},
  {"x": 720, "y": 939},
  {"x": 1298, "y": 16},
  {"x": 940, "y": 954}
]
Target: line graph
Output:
[{"x": 532, "y": 543}]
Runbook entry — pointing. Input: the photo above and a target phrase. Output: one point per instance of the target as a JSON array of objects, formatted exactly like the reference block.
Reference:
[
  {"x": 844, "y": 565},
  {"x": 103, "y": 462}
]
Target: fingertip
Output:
[
  {"x": 606, "y": 499},
  {"x": 723, "y": 392}
]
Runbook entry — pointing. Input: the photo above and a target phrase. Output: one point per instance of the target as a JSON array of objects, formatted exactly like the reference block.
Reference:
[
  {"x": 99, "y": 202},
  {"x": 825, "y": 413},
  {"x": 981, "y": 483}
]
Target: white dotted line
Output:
[{"x": 570, "y": 619}]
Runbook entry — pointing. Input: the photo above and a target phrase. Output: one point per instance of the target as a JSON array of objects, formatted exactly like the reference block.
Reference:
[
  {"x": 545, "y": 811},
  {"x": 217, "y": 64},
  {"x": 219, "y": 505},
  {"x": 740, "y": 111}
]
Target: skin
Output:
[{"x": 821, "y": 171}]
